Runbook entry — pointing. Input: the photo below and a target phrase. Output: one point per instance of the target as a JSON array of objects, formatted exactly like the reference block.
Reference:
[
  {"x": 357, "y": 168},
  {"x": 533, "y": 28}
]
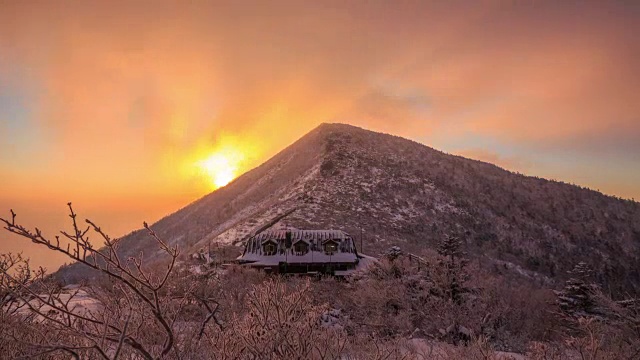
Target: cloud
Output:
[{"x": 121, "y": 93}]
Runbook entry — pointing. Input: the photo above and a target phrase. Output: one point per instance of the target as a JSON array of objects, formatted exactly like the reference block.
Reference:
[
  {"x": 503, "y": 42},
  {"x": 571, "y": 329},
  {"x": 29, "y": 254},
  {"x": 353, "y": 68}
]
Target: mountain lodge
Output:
[{"x": 302, "y": 252}]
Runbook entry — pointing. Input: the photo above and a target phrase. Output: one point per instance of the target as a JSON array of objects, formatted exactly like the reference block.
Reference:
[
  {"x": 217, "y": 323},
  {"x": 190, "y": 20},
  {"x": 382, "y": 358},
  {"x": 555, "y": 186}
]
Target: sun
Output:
[
  {"x": 219, "y": 169},
  {"x": 220, "y": 163},
  {"x": 221, "y": 166}
]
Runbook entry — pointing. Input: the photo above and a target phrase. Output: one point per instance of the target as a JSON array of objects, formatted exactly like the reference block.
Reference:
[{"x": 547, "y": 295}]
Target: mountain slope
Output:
[{"x": 399, "y": 191}]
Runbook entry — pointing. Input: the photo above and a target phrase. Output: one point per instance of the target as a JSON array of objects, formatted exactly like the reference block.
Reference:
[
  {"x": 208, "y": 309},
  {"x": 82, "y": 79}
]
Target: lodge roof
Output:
[
  {"x": 345, "y": 252},
  {"x": 306, "y": 235}
]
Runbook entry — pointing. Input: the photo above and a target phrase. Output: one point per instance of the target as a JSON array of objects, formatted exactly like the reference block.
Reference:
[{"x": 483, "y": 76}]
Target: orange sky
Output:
[{"x": 113, "y": 104}]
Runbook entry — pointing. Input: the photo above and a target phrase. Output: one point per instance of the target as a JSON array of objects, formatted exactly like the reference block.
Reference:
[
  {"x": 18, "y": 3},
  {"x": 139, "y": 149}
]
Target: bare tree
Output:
[{"x": 135, "y": 317}]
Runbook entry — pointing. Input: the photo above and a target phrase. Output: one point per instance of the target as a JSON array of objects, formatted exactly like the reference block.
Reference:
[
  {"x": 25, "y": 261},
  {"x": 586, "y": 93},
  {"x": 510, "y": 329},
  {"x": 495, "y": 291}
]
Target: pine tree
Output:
[
  {"x": 449, "y": 248},
  {"x": 577, "y": 296},
  {"x": 393, "y": 253}
]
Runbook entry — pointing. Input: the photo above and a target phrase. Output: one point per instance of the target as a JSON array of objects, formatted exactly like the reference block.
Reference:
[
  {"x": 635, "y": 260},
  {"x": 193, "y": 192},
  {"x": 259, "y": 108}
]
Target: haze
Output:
[{"x": 133, "y": 109}]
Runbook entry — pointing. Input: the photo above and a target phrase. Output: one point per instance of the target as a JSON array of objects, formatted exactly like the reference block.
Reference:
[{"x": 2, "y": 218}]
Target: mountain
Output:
[{"x": 400, "y": 192}]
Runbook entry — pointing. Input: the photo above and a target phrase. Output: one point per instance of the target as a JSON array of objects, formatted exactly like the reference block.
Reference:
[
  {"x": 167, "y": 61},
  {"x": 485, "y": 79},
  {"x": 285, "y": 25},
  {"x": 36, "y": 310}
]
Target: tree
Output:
[
  {"x": 578, "y": 295},
  {"x": 134, "y": 318},
  {"x": 393, "y": 253},
  {"x": 449, "y": 248}
]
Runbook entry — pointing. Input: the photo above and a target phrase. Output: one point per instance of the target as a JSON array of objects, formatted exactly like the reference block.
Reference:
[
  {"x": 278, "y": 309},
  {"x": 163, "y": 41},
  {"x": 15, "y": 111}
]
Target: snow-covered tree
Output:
[
  {"x": 450, "y": 248},
  {"x": 393, "y": 253},
  {"x": 577, "y": 296}
]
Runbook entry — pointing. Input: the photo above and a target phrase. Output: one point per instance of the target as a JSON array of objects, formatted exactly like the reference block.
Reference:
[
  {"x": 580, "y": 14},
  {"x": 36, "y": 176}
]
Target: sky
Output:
[{"x": 133, "y": 109}]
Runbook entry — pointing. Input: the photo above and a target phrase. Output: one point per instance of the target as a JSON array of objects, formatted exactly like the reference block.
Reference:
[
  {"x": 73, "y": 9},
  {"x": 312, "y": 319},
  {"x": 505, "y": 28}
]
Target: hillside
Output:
[{"x": 402, "y": 192}]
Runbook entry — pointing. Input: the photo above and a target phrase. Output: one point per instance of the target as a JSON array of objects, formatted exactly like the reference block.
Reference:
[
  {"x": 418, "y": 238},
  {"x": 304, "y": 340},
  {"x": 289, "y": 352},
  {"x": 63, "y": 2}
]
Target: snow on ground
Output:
[{"x": 77, "y": 300}]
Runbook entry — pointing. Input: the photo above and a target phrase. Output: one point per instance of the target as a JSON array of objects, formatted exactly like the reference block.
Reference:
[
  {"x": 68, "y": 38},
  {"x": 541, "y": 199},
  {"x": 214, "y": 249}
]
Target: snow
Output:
[{"x": 77, "y": 301}]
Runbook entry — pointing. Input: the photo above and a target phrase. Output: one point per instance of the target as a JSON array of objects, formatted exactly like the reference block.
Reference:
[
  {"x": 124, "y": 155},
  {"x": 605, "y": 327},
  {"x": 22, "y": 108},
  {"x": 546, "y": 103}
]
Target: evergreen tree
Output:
[
  {"x": 449, "y": 248},
  {"x": 393, "y": 253},
  {"x": 577, "y": 296}
]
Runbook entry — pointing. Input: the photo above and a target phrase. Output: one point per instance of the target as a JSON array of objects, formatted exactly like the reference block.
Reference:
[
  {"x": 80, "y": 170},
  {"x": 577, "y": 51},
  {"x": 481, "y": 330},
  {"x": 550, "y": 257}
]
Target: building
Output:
[{"x": 303, "y": 251}]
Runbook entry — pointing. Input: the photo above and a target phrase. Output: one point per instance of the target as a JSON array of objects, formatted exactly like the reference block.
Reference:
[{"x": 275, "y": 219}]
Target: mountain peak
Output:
[
  {"x": 341, "y": 127},
  {"x": 337, "y": 127},
  {"x": 331, "y": 129},
  {"x": 396, "y": 191}
]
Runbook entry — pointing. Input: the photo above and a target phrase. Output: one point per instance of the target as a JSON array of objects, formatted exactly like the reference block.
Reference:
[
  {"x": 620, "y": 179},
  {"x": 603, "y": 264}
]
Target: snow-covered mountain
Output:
[{"x": 399, "y": 192}]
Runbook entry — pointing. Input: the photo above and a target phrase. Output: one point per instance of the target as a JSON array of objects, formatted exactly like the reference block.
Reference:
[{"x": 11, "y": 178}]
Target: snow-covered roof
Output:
[
  {"x": 306, "y": 235},
  {"x": 345, "y": 252}
]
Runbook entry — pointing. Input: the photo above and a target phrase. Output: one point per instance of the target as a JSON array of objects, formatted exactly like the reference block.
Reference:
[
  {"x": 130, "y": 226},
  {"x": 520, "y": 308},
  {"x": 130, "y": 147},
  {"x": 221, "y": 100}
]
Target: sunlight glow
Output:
[
  {"x": 218, "y": 165},
  {"x": 214, "y": 163},
  {"x": 219, "y": 169}
]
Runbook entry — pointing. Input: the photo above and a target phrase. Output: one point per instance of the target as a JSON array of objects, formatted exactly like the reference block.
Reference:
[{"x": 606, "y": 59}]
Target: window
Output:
[
  {"x": 301, "y": 248},
  {"x": 269, "y": 248},
  {"x": 330, "y": 247}
]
